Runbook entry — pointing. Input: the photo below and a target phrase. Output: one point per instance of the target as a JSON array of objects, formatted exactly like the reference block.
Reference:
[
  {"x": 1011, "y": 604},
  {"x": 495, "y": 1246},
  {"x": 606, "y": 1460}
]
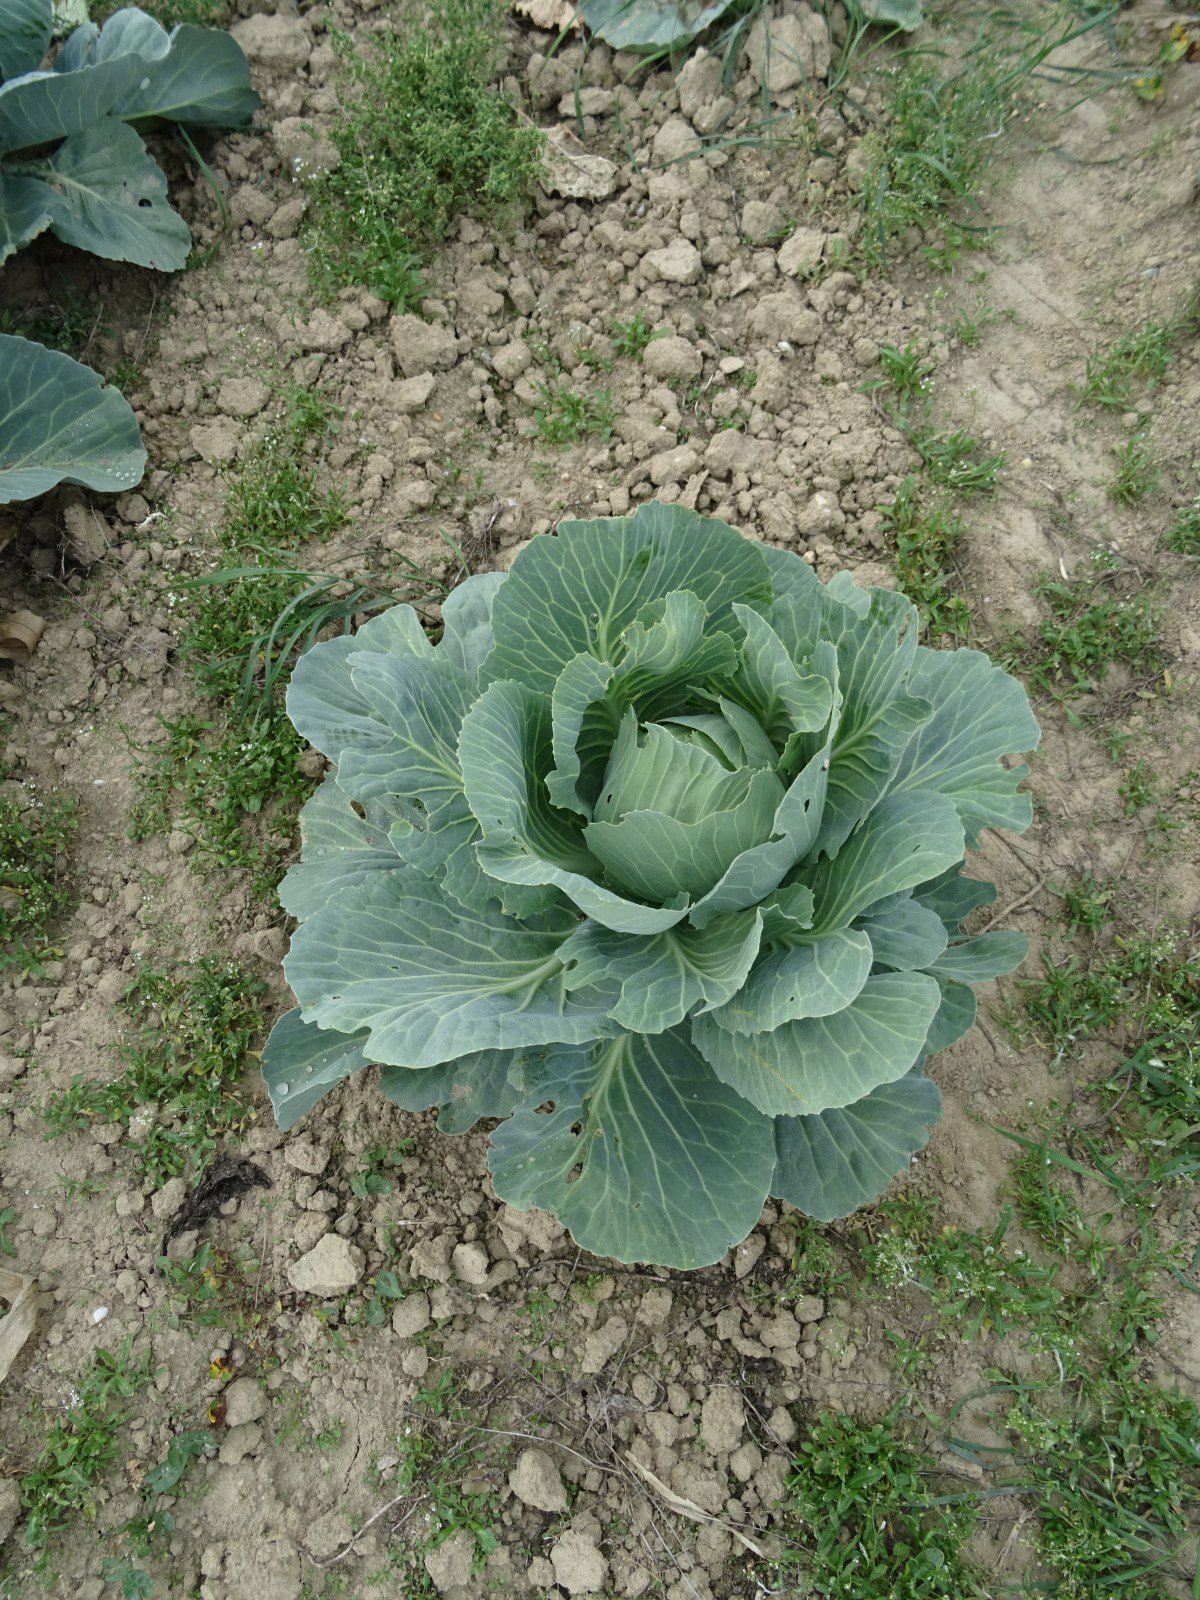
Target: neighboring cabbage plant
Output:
[
  {"x": 71, "y": 162},
  {"x": 661, "y": 25},
  {"x": 61, "y": 423},
  {"x": 69, "y": 159},
  {"x": 656, "y": 856}
]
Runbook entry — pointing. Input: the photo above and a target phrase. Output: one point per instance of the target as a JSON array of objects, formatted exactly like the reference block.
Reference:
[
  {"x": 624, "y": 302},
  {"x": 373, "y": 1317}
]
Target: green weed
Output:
[
  {"x": 1086, "y": 905},
  {"x": 1139, "y": 358},
  {"x": 861, "y": 1496},
  {"x": 80, "y": 1442},
  {"x": 976, "y": 1283},
  {"x": 1183, "y": 536},
  {"x": 924, "y": 533},
  {"x": 229, "y": 776},
  {"x": 951, "y": 457},
  {"x": 631, "y": 338},
  {"x": 192, "y": 1028},
  {"x": 197, "y": 13},
  {"x": 8, "y": 1219},
  {"x": 433, "y": 1460},
  {"x": 1139, "y": 471},
  {"x": 376, "y": 1162},
  {"x": 926, "y": 160},
  {"x": 1089, "y": 629},
  {"x": 69, "y": 324},
  {"x": 565, "y": 416},
  {"x": 36, "y": 834},
  {"x": 423, "y": 138}
]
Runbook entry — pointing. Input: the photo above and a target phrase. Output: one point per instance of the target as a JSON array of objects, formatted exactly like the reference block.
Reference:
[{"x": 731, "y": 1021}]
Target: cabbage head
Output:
[{"x": 654, "y": 856}]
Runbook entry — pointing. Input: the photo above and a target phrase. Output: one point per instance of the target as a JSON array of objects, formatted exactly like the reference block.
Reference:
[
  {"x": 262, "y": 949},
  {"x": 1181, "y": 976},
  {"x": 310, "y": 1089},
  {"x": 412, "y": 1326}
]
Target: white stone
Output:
[
  {"x": 282, "y": 42},
  {"x": 800, "y": 253},
  {"x": 244, "y": 1402},
  {"x": 412, "y": 1315}
]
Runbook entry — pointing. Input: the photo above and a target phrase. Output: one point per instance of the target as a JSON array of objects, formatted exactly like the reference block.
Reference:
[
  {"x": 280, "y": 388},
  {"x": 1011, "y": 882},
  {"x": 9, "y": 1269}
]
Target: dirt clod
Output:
[
  {"x": 579, "y": 1566},
  {"x": 332, "y": 1267},
  {"x": 536, "y": 1482}
]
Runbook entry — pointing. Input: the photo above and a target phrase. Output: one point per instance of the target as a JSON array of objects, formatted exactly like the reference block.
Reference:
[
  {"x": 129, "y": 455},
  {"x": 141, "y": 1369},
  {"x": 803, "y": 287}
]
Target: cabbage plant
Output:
[
  {"x": 70, "y": 160},
  {"x": 655, "y": 856}
]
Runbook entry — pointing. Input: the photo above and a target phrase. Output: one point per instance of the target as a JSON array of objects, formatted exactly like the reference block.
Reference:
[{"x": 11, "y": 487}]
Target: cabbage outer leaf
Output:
[
  {"x": 819, "y": 1062},
  {"x": 581, "y": 589},
  {"x": 646, "y": 1156},
  {"x": 432, "y": 980},
  {"x": 301, "y": 1063},
  {"x": 830, "y": 1164}
]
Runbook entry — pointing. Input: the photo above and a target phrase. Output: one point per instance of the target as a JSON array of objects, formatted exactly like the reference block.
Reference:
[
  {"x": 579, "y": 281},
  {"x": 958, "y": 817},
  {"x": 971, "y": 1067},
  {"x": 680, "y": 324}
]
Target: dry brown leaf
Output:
[
  {"x": 554, "y": 15},
  {"x": 572, "y": 172},
  {"x": 19, "y": 635},
  {"x": 688, "y": 1508},
  {"x": 21, "y": 1293}
]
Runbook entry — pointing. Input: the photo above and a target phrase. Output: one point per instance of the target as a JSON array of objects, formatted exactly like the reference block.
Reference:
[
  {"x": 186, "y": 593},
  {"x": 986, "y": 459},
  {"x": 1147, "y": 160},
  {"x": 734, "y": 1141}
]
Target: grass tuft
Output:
[
  {"x": 1183, "y": 536},
  {"x": 179, "y": 1093},
  {"x": 876, "y": 1523},
  {"x": 36, "y": 833},
  {"x": 1113, "y": 378},
  {"x": 80, "y": 1442},
  {"x": 924, "y": 531},
  {"x": 229, "y": 775},
  {"x": 423, "y": 137},
  {"x": 1139, "y": 471},
  {"x": 1090, "y": 628}
]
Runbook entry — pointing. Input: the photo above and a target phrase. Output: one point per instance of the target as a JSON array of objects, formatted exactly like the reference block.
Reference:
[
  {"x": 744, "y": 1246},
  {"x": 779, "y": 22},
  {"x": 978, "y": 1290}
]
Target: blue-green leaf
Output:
[
  {"x": 111, "y": 198},
  {"x": 203, "y": 80},
  {"x": 880, "y": 708},
  {"x": 977, "y": 960},
  {"x": 322, "y": 701},
  {"x": 754, "y": 874},
  {"x": 25, "y": 31},
  {"x": 650, "y": 24},
  {"x": 784, "y": 700},
  {"x": 980, "y": 714},
  {"x": 506, "y": 745},
  {"x": 811, "y": 1065},
  {"x": 791, "y": 577},
  {"x": 301, "y": 1063},
  {"x": 42, "y": 107},
  {"x": 59, "y": 423},
  {"x": 645, "y": 1156},
  {"x": 906, "y": 937},
  {"x": 340, "y": 847},
  {"x": 466, "y": 1090},
  {"x": 26, "y": 209},
  {"x": 830, "y": 1164},
  {"x": 432, "y": 980},
  {"x": 584, "y": 720},
  {"x": 810, "y": 980},
  {"x": 681, "y": 818},
  {"x": 580, "y": 589},
  {"x": 466, "y": 641},
  {"x": 954, "y": 1017},
  {"x": 903, "y": 841},
  {"x": 658, "y": 979},
  {"x": 953, "y": 897}
]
